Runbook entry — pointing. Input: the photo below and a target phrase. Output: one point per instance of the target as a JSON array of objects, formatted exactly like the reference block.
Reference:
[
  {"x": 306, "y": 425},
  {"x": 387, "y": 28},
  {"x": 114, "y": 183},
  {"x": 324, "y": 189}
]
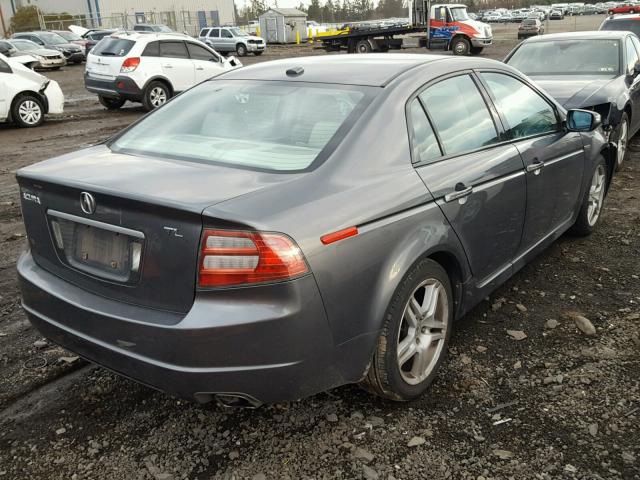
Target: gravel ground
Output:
[{"x": 526, "y": 393}]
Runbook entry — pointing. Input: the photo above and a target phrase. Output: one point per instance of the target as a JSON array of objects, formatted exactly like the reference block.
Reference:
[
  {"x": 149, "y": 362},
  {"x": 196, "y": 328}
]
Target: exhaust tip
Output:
[{"x": 229, "y": 399}]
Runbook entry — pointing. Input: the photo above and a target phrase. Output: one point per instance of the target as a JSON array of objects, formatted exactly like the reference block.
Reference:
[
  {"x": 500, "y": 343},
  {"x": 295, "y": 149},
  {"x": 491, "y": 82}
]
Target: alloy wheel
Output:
[
  {"x": 157, "y": 96},
  {"x": 596, "y": 194},
  {"x": 30, "y": 112},
  {"x": 422, "y": 332},
  {"x": 622, "y": 142}
]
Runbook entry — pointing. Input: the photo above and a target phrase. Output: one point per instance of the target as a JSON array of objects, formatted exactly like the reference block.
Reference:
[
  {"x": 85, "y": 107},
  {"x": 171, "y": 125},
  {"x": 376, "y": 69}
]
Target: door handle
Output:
[
  {"x": 167, "y": 66},
  {"x": 535, "y": 167},
  {"x": 460, "y": 192},
  {"x": 199, "y": 68}
]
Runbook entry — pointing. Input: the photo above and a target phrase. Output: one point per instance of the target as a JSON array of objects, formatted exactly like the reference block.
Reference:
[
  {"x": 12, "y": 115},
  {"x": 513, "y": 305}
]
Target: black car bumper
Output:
[
  {"x": 264, "y": 344},
  {"x": 121, "y": 87}
]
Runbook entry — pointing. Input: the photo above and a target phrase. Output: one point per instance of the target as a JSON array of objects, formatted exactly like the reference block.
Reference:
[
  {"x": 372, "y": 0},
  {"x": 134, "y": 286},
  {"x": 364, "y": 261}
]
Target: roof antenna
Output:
[{"x": 295, "y": 71}]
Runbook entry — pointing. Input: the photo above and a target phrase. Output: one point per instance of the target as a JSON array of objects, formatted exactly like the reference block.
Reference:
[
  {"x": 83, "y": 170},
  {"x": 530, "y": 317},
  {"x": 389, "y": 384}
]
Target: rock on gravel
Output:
[
  {"x": 415, "y": 441},
  {"x": 517, "y": 334},
  {"x": 503, "y": 454},
  {"x": 583, "y": 323},
  {"x": 551, "y": 324},
  {"x": 369, "y": 473}
]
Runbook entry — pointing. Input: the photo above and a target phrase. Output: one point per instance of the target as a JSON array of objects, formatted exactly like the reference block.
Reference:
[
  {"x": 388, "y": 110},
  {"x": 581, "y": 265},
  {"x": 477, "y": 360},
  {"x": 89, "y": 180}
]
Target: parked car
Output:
[
  {"x": 493, "y": 17},
  {"x": 590, "y": 70},
  {"x": 151, "y": 28},
  {"x": 232, "y": 39},
  {"x": 26, "y": 96},
  {"x": 556, "y": 15},
  {"x": 71, "y": 37},
  {"x": 629, "y": 23},
  {"x": 175, "y": 253},
  {"x": 45, "y": 58},
  {"x": 629, "y": 8},
  {"x": 72, "y": 53},
  {"x": 530, "y": 27},
  {"x": 149, "y": 67},
  {"x": 12, "y": 52}
]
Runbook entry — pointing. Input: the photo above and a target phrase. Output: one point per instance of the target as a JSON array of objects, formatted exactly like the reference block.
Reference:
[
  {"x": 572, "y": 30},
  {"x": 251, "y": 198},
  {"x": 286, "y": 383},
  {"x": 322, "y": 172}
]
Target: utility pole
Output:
[{"x": 4, "y": 28}]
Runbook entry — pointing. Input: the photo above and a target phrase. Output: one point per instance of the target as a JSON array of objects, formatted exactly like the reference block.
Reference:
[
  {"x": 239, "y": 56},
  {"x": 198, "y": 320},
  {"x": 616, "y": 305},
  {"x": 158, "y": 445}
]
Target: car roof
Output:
[
  {"x": 589, "y": 35},
  {"x": 626, "y": 16},
  {"x": 151, "y": 36},
  {"x": 374, "y": 69}
]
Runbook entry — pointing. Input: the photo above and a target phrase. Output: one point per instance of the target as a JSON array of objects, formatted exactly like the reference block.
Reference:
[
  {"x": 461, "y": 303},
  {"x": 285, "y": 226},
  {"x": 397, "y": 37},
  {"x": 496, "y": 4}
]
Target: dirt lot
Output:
[{"x": 556, "y": 404}]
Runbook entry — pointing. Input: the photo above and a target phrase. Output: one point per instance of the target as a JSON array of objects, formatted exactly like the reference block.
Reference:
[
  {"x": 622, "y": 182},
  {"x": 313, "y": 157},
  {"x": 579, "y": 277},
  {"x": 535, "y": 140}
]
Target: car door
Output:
[
  {"x": 214, "y": 39},
  {"x": 226, "y": 40},
  {"x": 176, "y": 64},
  {"x": 206, "y": 63},
  {"x": 632, "y": 58},
  {"x": 553, "y": 157},
  {"x": 477, "y": 180}
]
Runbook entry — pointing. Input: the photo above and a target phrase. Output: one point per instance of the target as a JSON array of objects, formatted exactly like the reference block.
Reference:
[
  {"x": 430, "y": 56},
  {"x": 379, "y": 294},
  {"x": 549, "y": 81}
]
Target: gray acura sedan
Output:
[{"x": 300, "y": 224}]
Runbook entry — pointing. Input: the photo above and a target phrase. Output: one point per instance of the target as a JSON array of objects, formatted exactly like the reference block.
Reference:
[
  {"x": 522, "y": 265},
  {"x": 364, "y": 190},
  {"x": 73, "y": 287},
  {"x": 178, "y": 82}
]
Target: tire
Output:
[
  {"x": 460, "y": 46},
  {"x": 241, "y": 50},
  {"x": 610, "y": 12},
  {"x": 363, "y": 46},
  {"x": 155, "y": 95},
  {"x": 402, "y": 379},
  {"x": 622, "y": 139},
  {"x": 632, "y": 11},
  {"x": 111, "y": 103},
  {"x": 27, "y": 111},
  {"x": 593, "y": 198},
  {"x": 258, "y": 53},
  {"x": 476, "y": 50}
]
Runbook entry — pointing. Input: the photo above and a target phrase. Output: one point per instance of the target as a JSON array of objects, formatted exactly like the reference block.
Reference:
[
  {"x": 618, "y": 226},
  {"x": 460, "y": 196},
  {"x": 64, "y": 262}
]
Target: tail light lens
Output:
[
  {"x": 130, "y": 64},
  {"x": 243, "y": 258}
]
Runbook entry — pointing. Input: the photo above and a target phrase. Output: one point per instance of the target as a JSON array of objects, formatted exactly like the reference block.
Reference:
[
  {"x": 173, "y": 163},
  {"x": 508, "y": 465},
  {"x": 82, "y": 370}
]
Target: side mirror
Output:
[{"x": 583, "y": 120}]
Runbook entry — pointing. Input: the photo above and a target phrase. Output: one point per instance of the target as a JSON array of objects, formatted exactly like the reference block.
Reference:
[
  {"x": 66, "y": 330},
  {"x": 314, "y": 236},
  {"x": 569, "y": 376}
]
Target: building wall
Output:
[{"x": 130, "y": 7}]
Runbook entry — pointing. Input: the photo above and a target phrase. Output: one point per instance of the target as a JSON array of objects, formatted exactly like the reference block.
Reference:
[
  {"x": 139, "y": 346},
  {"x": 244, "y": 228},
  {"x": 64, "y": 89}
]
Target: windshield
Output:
[
  {"x": 112, "y": 47},
  {"x": 568, "y": 57},
  {"x": 238, "y": 33},
  {"x": 631, "y": 25},
  {"x": 25, "y": 45},
  {"x": 70, "y": 36},
  {"x": 289, "y": 124},
  {"x": 459, "y": 14},
  {"x": 162, "y": 28},
  {"x": 51, "y": 38}
]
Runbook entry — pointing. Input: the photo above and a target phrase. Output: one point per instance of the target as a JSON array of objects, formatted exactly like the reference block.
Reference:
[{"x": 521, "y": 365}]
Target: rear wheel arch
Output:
[{"x": 160, "y": 79}]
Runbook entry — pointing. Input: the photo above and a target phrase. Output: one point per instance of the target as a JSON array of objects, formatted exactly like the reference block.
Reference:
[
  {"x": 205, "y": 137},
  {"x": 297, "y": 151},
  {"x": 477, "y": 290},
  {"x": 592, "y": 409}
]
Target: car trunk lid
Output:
[{"x": 126, "y": 227}]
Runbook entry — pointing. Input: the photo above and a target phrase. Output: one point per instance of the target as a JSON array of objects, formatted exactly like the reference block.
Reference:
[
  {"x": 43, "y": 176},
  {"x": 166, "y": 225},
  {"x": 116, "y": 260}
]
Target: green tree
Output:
[
  {"x": 314, "y": 12},
  {"x": 25, "y": 18}
]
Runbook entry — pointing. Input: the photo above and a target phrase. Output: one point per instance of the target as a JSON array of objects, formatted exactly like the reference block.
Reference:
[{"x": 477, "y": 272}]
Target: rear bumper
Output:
[
  {"x": 270, "y": 343},
  {"x": 120, "y": 87}
]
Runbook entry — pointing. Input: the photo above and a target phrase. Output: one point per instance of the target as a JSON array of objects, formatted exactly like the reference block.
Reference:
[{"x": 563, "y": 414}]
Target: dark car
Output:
[
  {"x": 92, "y": 37},
  {"x": 71, "y": 37},
  {"x": 317, "y": 251},
  {"x": 592, "y": 70},
  {"x": 73, "y": 53},
  {"x": 530, "y": 27}
]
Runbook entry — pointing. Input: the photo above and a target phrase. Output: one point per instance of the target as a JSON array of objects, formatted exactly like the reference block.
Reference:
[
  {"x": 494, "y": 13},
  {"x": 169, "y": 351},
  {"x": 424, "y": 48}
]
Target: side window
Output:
[
  {"x": 151, "y": 50},
  {"x": 441, "y": 14},
  {"x": 459, "y": 115},
  {"x": 632, "y": 55},
  {"x": 4, "y": 67},
  {"x": 525, "y": 111},
  {"x": 197, "y": 52},
  {"x": 203, "y": 32},
  {"x": 424, "y": 142},
  {"x": 226, "y": 33},
  {"x": 636, "y": 43},
  {"x": 173, "y": 50},
  {"x": 215, "y": 32}
]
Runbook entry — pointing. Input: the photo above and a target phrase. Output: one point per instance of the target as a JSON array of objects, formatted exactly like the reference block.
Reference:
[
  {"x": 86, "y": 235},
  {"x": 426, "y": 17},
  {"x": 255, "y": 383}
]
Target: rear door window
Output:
[
  {"x": 423, "y": 140},
  {"x": 460, "y": 115},
  {"x": 215, "y": 32},
  {"x": 226, "y": 33},
  {"x": 4, "y": 67},
  {"x": 632, "y": 55},
  {"x": 173, "y": 50}
]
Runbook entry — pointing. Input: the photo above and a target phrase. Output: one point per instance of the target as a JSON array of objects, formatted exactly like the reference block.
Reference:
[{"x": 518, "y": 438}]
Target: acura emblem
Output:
[{"x": 87, "y": 203}]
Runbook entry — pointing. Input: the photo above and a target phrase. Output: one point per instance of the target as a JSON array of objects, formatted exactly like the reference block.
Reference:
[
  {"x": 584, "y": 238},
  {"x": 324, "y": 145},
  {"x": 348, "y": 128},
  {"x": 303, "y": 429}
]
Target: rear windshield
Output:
[
  {"x": 275, "y": 126},
  {"x": 631, "y": 25},
  {"x": 568, "y": 57},
  {"x": 113, "y": 47},
  {"x": 70, "y": 36}
]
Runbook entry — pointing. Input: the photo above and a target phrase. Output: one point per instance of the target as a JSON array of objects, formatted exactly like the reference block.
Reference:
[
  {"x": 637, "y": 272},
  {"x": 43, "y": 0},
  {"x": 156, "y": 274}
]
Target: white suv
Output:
[{"x": 149, "y": 67}]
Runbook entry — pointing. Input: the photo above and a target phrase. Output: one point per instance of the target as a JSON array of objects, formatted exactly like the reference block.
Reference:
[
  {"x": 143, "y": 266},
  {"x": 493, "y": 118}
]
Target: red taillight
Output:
[
  {"x": 130, "y": 64},
  {"x": 240, "y": 258}
]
